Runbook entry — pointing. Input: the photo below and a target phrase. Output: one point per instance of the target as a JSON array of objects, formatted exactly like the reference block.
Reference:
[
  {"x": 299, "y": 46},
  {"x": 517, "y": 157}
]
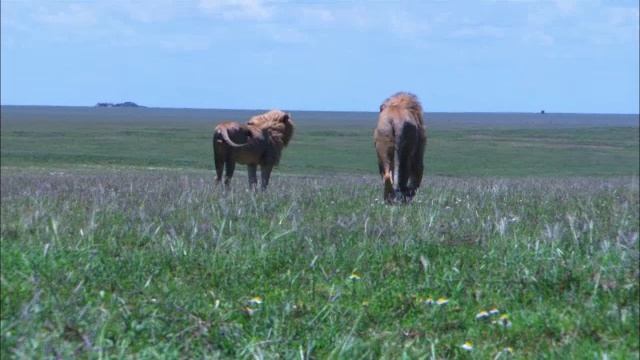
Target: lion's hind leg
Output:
[
  {"x": 415, "y": 176},
  {"x": 230, "y": 167},
  {"x": 218, "y": 159},
  {"x": 388, "y": 187},
  {"x": 253, "y": 176}
]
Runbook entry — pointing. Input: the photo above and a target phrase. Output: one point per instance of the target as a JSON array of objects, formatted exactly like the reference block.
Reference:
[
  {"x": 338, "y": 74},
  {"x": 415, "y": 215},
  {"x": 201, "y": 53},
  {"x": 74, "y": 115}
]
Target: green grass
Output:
[
  {"x": 114, "y": 242},
  {"x": 334, "y": 143},
  {"x": 140, "y": 264}
]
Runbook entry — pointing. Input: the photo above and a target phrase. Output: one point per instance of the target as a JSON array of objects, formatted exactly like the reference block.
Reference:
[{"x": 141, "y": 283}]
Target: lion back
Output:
[{"x": 404, "y": 101}]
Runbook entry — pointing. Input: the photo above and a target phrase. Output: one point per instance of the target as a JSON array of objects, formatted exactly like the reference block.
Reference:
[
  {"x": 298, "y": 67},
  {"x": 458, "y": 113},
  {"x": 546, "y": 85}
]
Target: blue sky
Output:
[{"x": 458, "y": 55}]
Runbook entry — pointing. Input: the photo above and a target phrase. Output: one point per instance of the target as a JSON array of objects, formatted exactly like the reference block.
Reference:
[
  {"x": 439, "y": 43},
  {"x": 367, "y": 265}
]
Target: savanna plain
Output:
[{"x": 115, "y": 243}]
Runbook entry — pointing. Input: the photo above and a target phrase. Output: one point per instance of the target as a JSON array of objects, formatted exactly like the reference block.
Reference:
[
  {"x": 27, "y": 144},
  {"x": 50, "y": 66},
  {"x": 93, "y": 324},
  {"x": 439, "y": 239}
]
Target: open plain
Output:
[{"x": 115, "y": 242}]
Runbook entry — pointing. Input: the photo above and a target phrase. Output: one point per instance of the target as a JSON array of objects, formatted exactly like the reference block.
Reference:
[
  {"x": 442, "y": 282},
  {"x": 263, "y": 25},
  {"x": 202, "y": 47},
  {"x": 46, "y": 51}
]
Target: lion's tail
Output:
[{"x": 225, "y": 136}]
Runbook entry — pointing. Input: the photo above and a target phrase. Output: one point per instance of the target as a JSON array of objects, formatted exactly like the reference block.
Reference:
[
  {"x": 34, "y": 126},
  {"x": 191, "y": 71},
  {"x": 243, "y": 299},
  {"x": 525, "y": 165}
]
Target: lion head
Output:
[{"x": 277, "y": 123}]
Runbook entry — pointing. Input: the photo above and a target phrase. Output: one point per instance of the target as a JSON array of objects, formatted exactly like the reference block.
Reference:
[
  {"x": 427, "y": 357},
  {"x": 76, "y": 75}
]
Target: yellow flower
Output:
[
  {"x": 299, "y": 305},
  {"x": 442, "y": 301},
  {"x": 354, "y": 277},
  {"x": 467, "y": 346},
  {"x": 508, "y": 350},
  {"x": 256, "y": 300},
  {"x": 365, "y": 303},
  {"x": 482, "y": 315},
  {"x": 494, "y": 311}
]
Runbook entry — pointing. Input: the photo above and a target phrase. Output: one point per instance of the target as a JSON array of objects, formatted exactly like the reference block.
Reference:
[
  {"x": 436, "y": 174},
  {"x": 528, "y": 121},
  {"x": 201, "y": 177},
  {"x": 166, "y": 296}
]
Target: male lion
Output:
[
  {"x": 400, "y": 139},
  {"x": 259, "y": 142}
]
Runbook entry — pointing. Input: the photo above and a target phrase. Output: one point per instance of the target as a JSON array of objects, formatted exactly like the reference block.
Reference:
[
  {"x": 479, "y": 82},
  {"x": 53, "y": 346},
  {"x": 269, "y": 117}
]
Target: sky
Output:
[{"x": 576, "y": 56}]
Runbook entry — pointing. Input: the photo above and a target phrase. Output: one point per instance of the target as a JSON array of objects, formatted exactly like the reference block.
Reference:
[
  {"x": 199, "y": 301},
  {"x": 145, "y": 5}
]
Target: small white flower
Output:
[
  {"x": 504, "y": 321},
  {"x": 442, "y": 301},
  {"x": 508, "y": 350},
  {"x": 467, "y": 346},
  {"x": 428, "y": 301},
  {"x": 256, "y": 300},
  {"x": 482, "y": 315},
  {"x": 354, "y": 277},
  {"x": 494, "y": 311},
  {"x": 249, "y": 310}
]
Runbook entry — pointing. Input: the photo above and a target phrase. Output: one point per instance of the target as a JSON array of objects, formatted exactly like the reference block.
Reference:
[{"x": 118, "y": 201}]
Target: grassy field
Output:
[
  {"x": 486, "y": 145},
  {"x": 118, "y": 245}
]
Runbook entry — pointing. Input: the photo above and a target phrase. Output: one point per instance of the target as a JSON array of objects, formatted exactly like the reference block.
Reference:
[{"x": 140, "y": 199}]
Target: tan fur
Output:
[
  {"x": 259, "y": 142},
  {"x": 400, "y": 140}
]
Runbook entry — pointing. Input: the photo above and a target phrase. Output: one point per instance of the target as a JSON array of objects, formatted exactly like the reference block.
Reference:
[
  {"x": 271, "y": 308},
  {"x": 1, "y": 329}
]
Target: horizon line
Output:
[{"x": 355, "y": 111}]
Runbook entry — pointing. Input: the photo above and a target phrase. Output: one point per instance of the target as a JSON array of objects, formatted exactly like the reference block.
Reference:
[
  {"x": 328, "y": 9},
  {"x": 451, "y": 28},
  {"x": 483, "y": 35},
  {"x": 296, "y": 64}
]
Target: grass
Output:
[
  {"x": 479, "y": 145},
  {"x": 143, "y": 264},
  {"x": 114, "y": 242}
]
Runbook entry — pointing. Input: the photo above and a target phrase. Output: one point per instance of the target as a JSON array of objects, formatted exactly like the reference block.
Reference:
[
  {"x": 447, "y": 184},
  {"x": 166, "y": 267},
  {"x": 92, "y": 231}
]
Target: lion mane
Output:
[
  {"x": 400, "y": 140},
  {"x": 258, "y": 142},
  {"x": 279, "y": 126}
]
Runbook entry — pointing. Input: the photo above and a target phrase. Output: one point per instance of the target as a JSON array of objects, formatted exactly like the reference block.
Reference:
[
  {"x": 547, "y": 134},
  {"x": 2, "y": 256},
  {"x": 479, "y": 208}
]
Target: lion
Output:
[
  {"x": 400, "y": 140},
  {"x": 259, "y": 142}
]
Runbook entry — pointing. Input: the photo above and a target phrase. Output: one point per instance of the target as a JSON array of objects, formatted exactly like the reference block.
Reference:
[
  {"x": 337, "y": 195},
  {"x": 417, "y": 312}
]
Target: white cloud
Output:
[
  {"x": 317, "y": 15},
  {"x": 186, "y": 42},
  {"x": 566, "y": 6},
  {"x": 481, "y": 31},
  {"x": 284, "y": 34},
  {"x": 72, "y": 15},
  {"x": 155, "y": 11},
  {"x": 236, "y": 9},
  {"x": 623, "y": 17},
  {"x": 616, "y": 24},
  {"x": 403, "y": 23},
  {"x": 539, "y": 37},
  {"x": 358, "y": 17},
  {"x": 176, "y": 24}
]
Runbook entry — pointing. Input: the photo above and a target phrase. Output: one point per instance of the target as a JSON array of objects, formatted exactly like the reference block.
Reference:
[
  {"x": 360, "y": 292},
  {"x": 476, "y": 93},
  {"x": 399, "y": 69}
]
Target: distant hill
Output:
[{"x": 124, "y": 104}]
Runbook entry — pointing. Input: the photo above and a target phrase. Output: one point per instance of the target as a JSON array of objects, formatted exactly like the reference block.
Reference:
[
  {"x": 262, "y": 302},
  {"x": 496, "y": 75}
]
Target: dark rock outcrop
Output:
[{"x": 124, "y": 104}]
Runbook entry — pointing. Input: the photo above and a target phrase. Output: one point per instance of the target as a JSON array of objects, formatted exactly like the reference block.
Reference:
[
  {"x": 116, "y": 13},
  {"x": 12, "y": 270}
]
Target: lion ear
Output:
[
  {"x": 286, "y": 117},
  {"x": 382, "y": 107}
]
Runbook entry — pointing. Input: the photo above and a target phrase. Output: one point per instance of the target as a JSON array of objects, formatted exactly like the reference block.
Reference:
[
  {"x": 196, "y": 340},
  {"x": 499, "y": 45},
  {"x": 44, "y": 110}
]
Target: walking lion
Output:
[{"x": 400, "y": 140}]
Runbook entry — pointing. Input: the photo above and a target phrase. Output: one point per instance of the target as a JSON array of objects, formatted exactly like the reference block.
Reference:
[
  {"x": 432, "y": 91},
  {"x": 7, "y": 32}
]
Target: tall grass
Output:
[{"x": 164, "y": 264}]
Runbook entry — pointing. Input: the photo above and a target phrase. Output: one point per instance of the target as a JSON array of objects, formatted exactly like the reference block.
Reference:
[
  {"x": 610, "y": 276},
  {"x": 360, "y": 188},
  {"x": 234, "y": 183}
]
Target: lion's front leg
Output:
[
  {"x": 265, "y": 172},
  {"x": 253, "y": 176}
]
